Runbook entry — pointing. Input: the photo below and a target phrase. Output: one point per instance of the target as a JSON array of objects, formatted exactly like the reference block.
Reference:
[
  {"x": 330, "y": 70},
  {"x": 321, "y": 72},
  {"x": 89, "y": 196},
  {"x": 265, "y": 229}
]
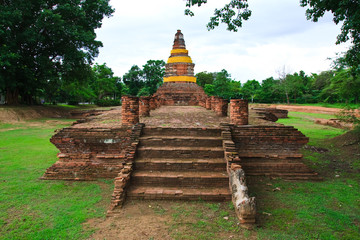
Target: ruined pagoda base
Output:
[{"x": 181, "y": 94}]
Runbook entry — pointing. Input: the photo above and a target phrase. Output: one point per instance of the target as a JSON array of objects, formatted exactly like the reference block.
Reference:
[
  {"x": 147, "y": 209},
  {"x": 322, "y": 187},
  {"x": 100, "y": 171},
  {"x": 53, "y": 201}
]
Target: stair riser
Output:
[
  {"x": 181, "y": 132},
  {"x": 288, "y": 176},
  {"x": 179, "y": 154},
  {"x": 215, "y": 198},
  {"x": 275, "y": 168},
  {"x": 181, "y": 142},
  {"x": 180, "y": 182},
  {"x": 180, "y": 166}
]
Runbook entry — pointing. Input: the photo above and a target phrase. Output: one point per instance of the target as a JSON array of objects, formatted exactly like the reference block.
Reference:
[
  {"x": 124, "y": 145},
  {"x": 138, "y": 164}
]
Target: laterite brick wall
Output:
[{"x": 90, "y": 153}]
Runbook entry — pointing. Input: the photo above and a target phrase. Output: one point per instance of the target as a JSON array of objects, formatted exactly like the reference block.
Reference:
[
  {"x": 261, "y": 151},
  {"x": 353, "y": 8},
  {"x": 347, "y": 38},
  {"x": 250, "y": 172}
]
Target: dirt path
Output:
[
  {"x": 307, "y": 109},
  {"x": 136, "y": 220}
]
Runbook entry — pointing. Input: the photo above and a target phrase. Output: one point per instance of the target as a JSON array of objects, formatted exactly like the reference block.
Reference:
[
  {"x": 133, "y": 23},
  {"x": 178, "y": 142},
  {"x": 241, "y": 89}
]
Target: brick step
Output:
[
  {"x": 184, "y": 141},
  {"x": 269, "y": 134},
  {"x": 180, "y": 179},
  {"x": 289, "y": 176},
  {"x": 275, "y": 167},
  {"x": 159, "y": 131},
  {"x": 171, "y": 193},
  {"x": 180, "y": 152},
  {"x": 283, "y": 155},
  {"x": 180, "y": 164}
]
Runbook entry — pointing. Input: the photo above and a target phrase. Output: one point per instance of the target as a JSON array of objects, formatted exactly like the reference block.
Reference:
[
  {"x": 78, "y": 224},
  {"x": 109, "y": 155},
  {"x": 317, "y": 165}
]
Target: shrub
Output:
[{"x": 107, "y": 102}]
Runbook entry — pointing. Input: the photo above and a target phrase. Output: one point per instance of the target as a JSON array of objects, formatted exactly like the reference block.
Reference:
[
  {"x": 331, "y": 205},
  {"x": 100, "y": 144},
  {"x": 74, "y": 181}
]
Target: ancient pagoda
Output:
[{"x": 179, "y": 87}]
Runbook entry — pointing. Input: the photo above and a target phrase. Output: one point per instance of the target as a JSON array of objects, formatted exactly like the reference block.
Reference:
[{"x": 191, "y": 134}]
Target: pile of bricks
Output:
[{"x": 129, "y": 110}]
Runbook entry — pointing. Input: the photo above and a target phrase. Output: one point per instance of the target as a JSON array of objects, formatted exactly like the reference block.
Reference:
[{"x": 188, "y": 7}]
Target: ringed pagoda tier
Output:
[
  {"x": 179, "y": 67},
  {"x": 179, "y": 87}
]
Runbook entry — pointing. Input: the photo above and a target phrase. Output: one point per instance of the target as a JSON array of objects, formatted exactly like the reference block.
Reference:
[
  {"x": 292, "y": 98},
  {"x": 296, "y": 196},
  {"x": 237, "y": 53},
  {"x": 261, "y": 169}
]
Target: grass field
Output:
[
  {"x": 35, "y": 209},
  {"x": 305, "y": 123},
  {"x": 330, "y": 105}
]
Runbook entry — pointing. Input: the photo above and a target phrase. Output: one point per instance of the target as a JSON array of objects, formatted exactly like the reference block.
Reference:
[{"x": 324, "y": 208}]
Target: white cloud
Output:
[{"x": 277, "y": 34}]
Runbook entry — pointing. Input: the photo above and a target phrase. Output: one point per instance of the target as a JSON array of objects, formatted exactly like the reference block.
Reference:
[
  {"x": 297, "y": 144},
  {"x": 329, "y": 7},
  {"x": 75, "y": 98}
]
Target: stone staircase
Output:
[{"x": 180, "y": 163}]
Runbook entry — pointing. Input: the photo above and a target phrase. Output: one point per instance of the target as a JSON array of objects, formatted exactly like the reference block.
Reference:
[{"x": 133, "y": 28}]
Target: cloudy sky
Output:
[{"x": 276, "y": 35}]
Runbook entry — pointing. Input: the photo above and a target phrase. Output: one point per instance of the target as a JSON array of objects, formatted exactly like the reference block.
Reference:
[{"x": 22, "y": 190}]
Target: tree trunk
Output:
[
  {"x": 287, "y": 98},
  {"x": 12, "y": 96}
]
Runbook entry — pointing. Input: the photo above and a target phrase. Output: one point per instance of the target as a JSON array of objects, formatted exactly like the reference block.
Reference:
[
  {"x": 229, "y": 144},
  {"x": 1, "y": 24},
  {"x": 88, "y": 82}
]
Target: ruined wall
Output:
[
  {"x": 271, "y": 150},
  {"x": 90, "y": 153},
  {"x": 263, "y": 141}
]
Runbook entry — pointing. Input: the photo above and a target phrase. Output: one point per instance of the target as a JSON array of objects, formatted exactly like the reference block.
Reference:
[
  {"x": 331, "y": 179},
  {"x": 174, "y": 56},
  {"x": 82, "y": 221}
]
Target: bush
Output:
[{"x": 107, "y": 102}]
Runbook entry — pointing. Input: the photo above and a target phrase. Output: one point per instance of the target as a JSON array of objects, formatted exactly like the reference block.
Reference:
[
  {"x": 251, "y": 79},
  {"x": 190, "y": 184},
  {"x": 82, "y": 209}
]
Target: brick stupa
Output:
[{"x": 179, "y": 87}]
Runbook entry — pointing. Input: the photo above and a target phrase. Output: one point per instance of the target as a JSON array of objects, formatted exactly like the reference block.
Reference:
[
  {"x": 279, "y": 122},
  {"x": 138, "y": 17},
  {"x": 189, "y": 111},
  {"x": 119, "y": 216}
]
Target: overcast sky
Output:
[{"x": 277, "y": 34}]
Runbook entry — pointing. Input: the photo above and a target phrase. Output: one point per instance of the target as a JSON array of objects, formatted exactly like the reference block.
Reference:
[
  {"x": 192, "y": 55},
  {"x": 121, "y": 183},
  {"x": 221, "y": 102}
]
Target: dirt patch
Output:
[
  {"x": 136, "y": 220},
  {"x": 168, "y": 116},
  {"x": 23, "y": 113},
  {"x": 307, "y": 109},
  {"x": 156, "y": 219},
  {"x": 183, "y": 116}
]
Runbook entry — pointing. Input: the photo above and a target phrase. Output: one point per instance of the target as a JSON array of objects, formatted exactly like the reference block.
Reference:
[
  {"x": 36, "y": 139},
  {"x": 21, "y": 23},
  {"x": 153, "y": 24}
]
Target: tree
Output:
[
  {"x": 222, "y": 84},
  {"x": 295, "y": 85},
  {"x": 346, "y": 12},
  {"x": 134, "y": 80},
  {"x": 203, "y": 78},
  {"x": 44, "y": 41},
  {"x": 283, "y": 84},
  {"x": 104, "y": 82},
  {"x": 154, "y": 71},
  {"x": 251, "y": 89},
  {"x": 343, "y": 87},
  {"x": 144, "y": 82},
  {"x": 232, "y": 14},
  {"x": 269, "y": 92}
]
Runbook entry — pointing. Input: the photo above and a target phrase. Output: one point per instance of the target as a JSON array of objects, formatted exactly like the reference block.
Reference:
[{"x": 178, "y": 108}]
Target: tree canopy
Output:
[
  {"x": 145, "y": 81},
  {"x": 43, "y": 42}
]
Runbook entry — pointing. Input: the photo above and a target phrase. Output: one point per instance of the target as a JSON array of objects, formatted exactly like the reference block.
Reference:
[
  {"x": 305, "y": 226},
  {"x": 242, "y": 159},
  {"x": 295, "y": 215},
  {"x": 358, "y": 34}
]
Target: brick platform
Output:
[
  {"x": 272, "y": 151},
  {"x": 89, "y": 154}
]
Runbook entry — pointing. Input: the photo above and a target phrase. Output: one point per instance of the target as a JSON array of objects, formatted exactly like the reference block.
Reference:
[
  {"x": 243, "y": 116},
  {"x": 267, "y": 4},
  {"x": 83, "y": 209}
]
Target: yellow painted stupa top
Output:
[{"x": 179, "y": 67}]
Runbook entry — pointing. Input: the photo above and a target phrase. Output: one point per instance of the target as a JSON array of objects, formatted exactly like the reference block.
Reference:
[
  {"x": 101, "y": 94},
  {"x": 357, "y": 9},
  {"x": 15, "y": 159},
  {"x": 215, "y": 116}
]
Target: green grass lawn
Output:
[
  {"x": 305, "y": 123},
  {"x": 332, "y": 105},
  {"x": 36, "y": 209}
]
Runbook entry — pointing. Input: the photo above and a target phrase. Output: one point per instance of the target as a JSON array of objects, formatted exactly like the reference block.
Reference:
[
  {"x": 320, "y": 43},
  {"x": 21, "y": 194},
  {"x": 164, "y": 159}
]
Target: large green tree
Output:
[{"x": 45, "y": 41}]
